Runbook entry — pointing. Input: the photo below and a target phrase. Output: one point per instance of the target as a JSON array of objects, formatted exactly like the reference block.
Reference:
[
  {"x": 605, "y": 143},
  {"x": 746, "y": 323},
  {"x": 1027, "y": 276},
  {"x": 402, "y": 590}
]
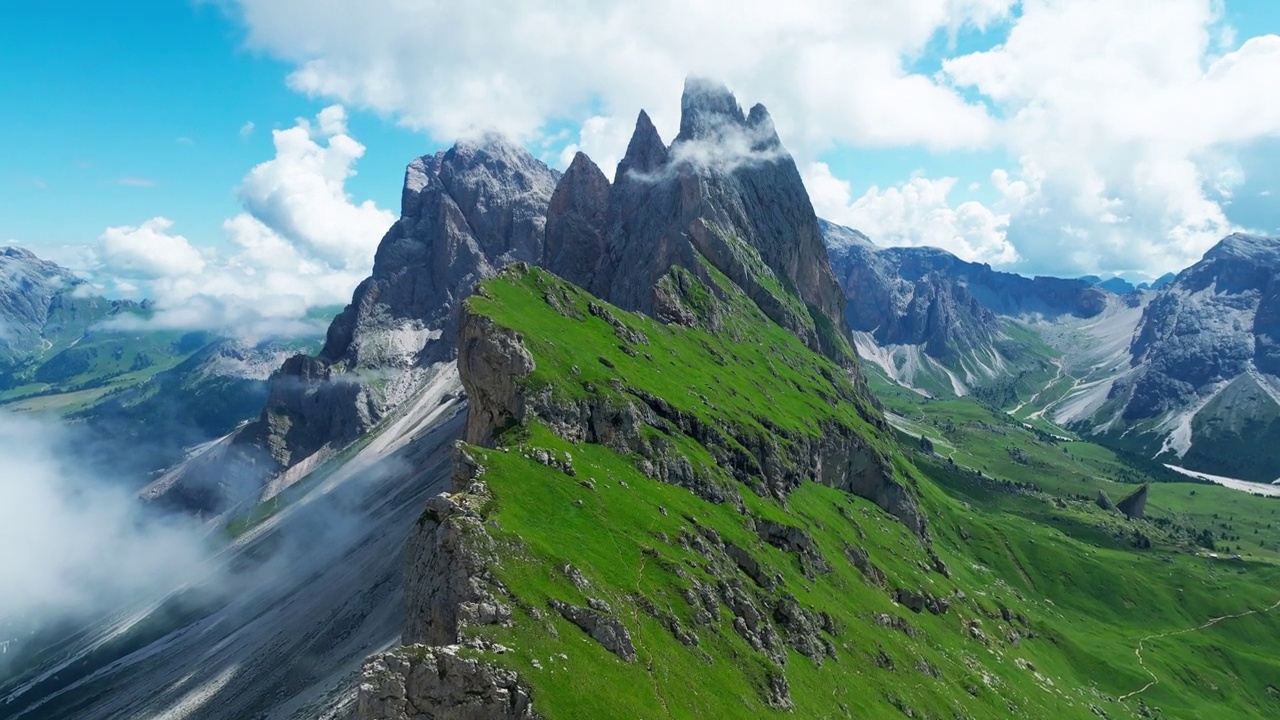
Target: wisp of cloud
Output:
[{"x": 75, "y": 543}]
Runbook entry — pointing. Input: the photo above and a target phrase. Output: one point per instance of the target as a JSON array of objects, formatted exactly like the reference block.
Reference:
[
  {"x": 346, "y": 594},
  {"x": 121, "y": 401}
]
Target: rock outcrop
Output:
[
  {"x": 439, "y": 683},
  {"x": 602, "y": 627},
  {"x": 448, "y": 587},
  {"x": 1134, "y": 506},
  {"x": 726, "y": 194}
]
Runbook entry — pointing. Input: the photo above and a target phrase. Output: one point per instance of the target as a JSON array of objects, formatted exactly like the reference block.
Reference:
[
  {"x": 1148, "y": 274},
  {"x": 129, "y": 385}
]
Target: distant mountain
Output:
[
  {"x": 62, "y": 352},
  {"x": 1189, "y": 372},
  {"x": 1204, "y": 382},
  {"x": 1118, "y": 285},
  {"x": 947, "y": 326},
  {"x": 43, "y": 307}
]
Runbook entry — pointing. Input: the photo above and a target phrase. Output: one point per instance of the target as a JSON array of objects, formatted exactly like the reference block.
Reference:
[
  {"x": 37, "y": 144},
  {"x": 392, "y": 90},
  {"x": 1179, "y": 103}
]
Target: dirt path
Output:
[{"x": 1155, "y": 680}]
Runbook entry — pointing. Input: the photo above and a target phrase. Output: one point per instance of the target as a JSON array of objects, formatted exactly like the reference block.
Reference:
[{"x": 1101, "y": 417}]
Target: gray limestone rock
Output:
[
  {"x": 465, "y": 213},
  {"x": 447, "y": 582},
  {"x": 725, "y": 191},
  {"x": 1218, "y": 319},
  {"x": 1134, "y": 506},
  {"x": 927, "y": 296},
  {"x": 575, "y": 240},
  {"x": 417, "y": 682},
  {"x": 601, "y": 626}
]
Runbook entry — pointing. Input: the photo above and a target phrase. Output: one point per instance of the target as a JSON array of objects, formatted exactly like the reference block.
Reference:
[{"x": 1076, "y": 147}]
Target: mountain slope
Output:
[
  {"x": 1204, "y": 380},
  {"x": 606, "y": 553},
  {"x": 948, "y": 327}
]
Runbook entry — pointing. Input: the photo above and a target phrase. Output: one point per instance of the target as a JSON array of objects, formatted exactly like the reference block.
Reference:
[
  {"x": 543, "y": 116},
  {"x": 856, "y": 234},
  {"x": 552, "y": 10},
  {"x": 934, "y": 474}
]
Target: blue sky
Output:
[
  {"x": 948, "y": 122},
  {"x": 123, "y": 111}
]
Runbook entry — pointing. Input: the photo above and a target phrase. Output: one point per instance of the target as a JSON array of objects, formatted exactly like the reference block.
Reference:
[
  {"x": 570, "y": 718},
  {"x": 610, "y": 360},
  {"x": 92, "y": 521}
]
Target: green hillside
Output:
[{"x": 1025, "y": 599}]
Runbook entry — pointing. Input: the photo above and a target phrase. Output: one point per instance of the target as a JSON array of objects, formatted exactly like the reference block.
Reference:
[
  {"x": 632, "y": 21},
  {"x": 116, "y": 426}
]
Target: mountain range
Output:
[{"x": 672, "y": 446}]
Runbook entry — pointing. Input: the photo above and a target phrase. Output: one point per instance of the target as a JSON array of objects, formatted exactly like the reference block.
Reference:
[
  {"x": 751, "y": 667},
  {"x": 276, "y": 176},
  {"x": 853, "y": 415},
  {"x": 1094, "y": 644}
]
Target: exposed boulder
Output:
[
  {"x": 1134, "y": 506},
  {"x": 1104, "y": 501}
]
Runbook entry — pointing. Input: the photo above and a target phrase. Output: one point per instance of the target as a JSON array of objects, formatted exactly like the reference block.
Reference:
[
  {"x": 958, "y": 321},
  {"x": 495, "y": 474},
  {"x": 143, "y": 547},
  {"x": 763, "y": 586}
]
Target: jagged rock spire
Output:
[{"x": 646, "y": 152}]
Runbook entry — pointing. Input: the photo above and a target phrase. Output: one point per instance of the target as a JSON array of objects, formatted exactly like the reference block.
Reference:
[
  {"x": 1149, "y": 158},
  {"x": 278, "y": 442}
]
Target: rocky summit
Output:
[{"x": 724, "y": 197}]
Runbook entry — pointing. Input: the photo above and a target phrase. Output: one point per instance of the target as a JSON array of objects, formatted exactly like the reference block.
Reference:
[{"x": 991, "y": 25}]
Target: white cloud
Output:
[
  {"x": 75, "y": 543},
  {"x": 247, "y": 129},
  {"x": 149, "y": 251},
  {"x": 914, "y": 213},
  {"x": 1126, "y": 122},
  {"x": 300, "y": 243},
  {"x": 832, "y": 70},
  {"x": 301, "y": 193},
  {"x": 1123, "y": 117}
]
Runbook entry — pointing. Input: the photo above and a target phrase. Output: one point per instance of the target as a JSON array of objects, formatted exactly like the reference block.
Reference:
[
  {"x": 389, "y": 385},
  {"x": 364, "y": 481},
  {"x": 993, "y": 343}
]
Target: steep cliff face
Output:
[
  {"x": 725, "y": 193},
  {"x": 465, "y": 213}
]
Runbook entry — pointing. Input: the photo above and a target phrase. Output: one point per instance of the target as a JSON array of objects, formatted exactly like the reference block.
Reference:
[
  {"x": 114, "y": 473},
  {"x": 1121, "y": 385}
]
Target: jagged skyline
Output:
[{"x": 936, "y": 133}]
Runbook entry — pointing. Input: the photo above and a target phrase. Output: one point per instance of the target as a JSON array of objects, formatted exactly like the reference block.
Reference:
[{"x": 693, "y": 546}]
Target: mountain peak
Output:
[
  {"x": 705, "y": 108},
  {"x": 1242, "y": 245},
  {"x": 646, "y": 152}
]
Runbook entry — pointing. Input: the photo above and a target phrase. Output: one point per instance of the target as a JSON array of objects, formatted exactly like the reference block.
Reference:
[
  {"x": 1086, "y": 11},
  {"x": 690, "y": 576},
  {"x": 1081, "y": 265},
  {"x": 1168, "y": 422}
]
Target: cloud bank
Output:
[
  {"x": 74, "y": 543},
  {"x": 1112, "y": 130}
]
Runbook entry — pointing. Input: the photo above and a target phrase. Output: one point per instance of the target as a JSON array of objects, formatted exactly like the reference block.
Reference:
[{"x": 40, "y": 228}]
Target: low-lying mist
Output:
[{"x": 74, "y": 542}]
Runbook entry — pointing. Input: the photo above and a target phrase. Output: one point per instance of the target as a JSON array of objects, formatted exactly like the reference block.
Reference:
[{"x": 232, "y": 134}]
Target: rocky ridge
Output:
[
  {"x": 494, "y": 363},
  {"x": 920, "y": 311},
  {"x": 465, "y": 213}
]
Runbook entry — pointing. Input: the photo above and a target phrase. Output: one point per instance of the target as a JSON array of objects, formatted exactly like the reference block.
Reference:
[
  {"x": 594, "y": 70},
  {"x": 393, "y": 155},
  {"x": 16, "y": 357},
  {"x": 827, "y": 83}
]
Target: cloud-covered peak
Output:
[{"x": 706, "y": 107}]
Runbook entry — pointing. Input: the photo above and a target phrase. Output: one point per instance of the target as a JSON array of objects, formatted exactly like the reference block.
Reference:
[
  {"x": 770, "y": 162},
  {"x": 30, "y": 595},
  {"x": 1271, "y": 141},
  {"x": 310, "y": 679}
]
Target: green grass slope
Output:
[{"x": 1047, "y": 596}]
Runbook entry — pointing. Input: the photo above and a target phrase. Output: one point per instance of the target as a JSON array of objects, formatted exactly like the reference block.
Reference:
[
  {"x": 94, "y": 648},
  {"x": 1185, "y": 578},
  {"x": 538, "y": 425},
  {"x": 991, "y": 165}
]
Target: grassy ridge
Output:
[{"x": 1049, "y": 599}]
